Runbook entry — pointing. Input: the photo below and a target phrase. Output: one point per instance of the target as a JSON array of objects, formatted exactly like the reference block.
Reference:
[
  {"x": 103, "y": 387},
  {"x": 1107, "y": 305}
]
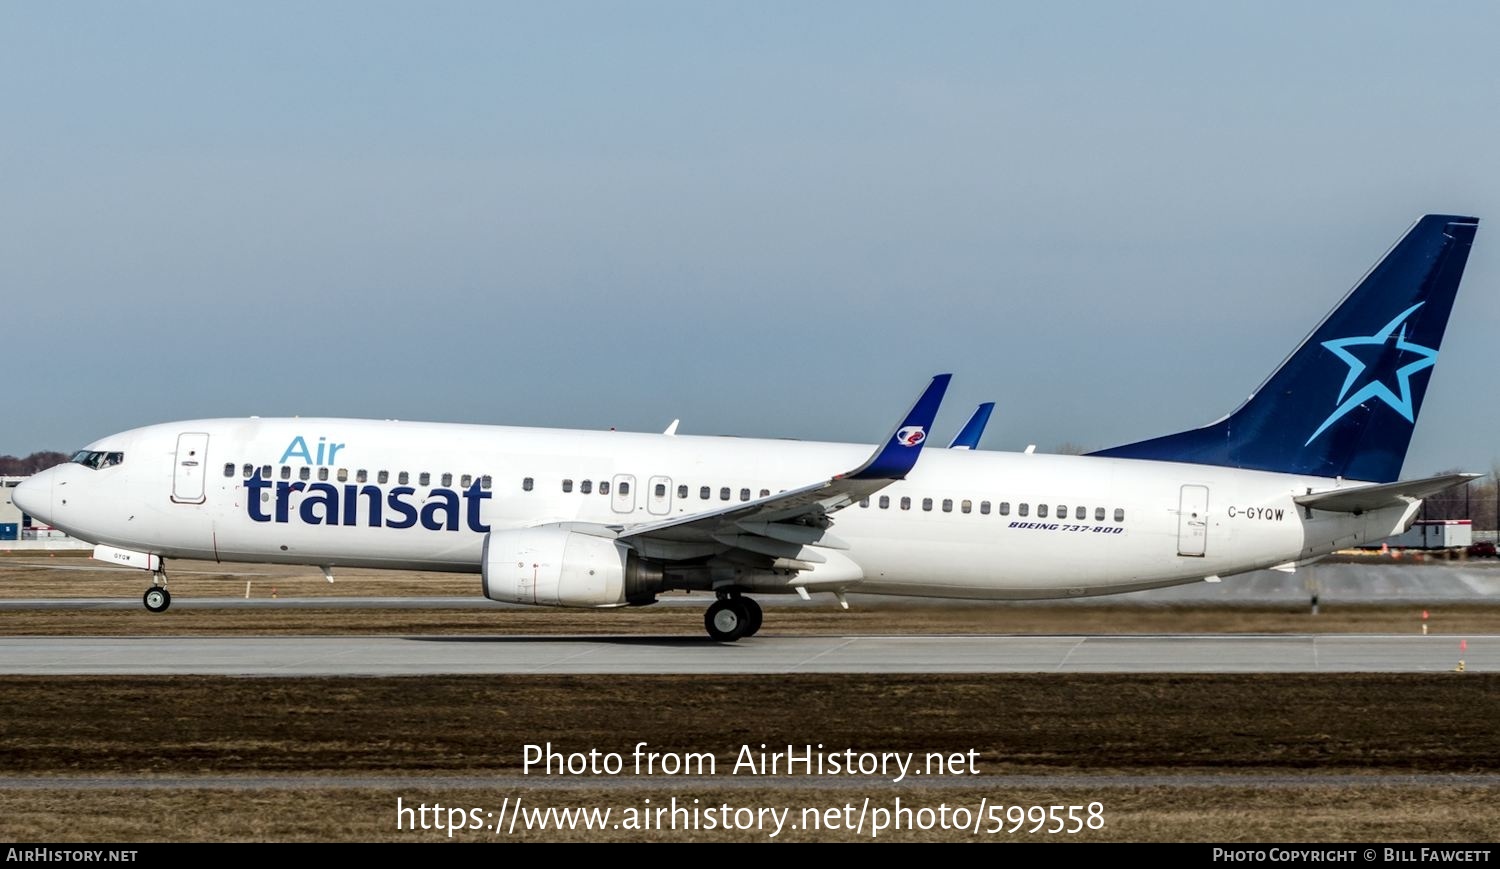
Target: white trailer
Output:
[{"x": 1435, "y": 534}]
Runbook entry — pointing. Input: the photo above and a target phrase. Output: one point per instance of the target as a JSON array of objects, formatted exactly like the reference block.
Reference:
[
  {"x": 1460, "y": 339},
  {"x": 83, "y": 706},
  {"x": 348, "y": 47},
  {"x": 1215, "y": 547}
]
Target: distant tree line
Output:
[
  {"x": 1477, "y": 502},
  {"x": 10, "y": 466}
]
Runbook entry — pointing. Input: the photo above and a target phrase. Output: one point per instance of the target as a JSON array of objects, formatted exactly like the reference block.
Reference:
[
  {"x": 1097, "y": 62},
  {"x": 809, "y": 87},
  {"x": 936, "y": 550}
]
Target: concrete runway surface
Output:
[
  {"x": 429, "y": 655},
  {"x": 1375, "y": 582}
]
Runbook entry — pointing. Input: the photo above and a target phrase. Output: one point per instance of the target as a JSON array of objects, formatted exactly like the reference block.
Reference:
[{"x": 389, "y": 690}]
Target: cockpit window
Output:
[{"x": 96, "y": 459}]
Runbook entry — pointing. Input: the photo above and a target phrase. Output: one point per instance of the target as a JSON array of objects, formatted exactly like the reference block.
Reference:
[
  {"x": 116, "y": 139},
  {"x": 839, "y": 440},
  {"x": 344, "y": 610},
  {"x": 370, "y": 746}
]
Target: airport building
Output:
[
  {"x": 20, "y": 531},
  {"x": 12, "y": 520}
]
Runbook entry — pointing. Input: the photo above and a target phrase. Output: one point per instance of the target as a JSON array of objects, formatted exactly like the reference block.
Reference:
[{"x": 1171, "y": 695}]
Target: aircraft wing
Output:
[
  {"x": 781, "y": 526},
  {"x": 1359, "y": 499}
]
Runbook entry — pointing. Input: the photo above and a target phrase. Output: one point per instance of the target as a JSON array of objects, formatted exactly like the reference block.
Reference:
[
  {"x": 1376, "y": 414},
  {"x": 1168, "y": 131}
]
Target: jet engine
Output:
[{"x": 554, "y": 565}]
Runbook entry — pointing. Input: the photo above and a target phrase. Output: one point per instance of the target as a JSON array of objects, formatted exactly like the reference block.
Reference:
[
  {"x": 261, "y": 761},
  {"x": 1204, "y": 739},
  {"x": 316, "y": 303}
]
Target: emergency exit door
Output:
[
  {"x": 623, "y": 500},
  {"x": 659, "y": 499},
  {"x": 1192, "y": 521}
]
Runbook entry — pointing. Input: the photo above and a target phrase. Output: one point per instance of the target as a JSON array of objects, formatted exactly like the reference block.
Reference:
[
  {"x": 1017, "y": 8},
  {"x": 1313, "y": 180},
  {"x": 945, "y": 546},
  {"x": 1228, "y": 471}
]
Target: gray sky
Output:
[{"x": 767, "y": 218}]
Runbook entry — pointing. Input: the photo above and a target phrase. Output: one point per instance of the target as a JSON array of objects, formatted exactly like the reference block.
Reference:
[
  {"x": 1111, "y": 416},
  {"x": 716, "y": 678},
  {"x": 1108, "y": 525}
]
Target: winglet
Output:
[
  {"x": 898, "y": 454},
  {"x": 973, "y": 430}
]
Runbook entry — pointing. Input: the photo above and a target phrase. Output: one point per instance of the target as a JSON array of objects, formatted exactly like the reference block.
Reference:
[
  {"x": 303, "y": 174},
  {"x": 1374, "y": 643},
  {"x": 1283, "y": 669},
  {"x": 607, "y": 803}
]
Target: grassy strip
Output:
[{"x": 1018, "y": 722}]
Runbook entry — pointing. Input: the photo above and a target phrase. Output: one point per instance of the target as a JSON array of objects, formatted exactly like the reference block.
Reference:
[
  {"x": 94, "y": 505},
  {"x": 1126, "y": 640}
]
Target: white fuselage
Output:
[{"x": 954, "y": 528}]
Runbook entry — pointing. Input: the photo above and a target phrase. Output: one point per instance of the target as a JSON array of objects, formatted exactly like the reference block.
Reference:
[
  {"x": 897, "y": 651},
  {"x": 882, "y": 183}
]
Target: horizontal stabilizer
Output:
[{"x": 1360, "y": 499}]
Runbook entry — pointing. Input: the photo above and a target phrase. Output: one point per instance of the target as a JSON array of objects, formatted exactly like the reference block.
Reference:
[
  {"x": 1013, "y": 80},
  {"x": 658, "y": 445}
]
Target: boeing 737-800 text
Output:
[{"x": 1309, "y": 464}]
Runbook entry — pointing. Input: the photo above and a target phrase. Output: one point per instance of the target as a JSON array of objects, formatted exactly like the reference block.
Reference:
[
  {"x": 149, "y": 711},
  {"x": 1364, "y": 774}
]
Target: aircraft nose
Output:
[{"x": 34, "y": 496}]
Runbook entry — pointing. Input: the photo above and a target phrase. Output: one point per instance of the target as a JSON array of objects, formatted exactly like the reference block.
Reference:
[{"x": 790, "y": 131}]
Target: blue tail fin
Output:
[{"x": 1344, "y": 403}]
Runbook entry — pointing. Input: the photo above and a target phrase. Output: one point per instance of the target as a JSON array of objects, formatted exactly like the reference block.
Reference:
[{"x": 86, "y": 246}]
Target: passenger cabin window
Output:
[
  {"x": 1098, "y": 514},
  {"x": 984, "y": 508},
  {"x": 567, "y": 485},
  {"x": 286, "y": 472},
  {"x": 1022, "y": 509},
  {"x": 905, "y": 503},
  {"x": 604, "y": 487},
  {"x": 526, "y": 483},
  {"x": 864, "y": 502},
  {"x": 885, "y": 502},
  {"x": 967, "y": 506},
  {"x": 265, "y": 472},
  {"x": 447, "y": 480},
  {"x": 304, "y": 473},
  {"x": 361, "y": 476},
  {"x": 383, "y": 477},
  {"x": 744, "y": 494},
  {"x": 1081, "y": 513},
  {"x": 586, "y": 487},
  {"x": 724, "y": 494},
  {"x": 229, "y": 469},
  {"x": 484, "y": 481},
  {"x": 425, "y": 479},
  {"x": 249, "y": 471},
  {"x": 343, "y": 475},
  {"x": 703, "y": 493},
  {"x": 927, "y": 504},
  {"x": 1041, "y": 511},
  {"x": 624, "y": 488},
  {"x": 1062, "y": 512},
  {"x": 661, "y": 490},
  {"x": 405, "y": 477},
  {"x": 765, "y": 493},
  {"x": 1119, "y": 515},
  {"x": 682, "y": 491},
  {"x": 466, "y": 481},
  {"x": 323, "y": 475},
  {"x": 1004, "y": 508},
  {"x": 947, "y": 505}
]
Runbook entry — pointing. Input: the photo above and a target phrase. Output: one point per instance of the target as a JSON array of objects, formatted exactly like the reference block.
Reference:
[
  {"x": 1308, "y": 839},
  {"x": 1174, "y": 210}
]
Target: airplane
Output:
[{"x": 1309, "y": 464}]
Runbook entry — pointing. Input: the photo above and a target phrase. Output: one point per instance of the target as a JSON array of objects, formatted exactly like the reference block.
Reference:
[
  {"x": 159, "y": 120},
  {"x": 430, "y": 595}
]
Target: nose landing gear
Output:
[{"x": 157, "y": 598}]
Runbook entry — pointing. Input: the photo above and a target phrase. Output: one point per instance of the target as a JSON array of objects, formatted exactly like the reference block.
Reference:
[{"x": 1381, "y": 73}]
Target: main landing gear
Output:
[
  {"x": 731, "y": 617},
  {"x": 157, "y": 598}
]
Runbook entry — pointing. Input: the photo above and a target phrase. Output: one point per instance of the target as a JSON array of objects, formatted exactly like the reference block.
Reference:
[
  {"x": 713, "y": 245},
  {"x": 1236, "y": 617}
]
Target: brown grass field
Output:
[
  {"x": 1081, "y": 732},
  {"x": 1216, "y": 728}
]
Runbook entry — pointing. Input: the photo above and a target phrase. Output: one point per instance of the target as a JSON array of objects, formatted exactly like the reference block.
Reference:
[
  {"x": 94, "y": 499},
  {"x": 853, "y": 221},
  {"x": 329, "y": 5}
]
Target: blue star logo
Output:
[{"x": 1383, "y": 354}]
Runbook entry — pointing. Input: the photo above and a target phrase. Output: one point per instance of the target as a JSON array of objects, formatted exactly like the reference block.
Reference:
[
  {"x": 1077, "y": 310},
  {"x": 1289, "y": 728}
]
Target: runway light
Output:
[
  {"x": 1463, "y": 646},
  {"x": 1424, "y": 623}
]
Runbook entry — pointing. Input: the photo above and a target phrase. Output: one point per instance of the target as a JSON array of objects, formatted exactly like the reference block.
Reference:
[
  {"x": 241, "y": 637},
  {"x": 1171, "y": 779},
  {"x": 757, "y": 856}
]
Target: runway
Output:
[
  {"x": 453, "y": 654},
  {"x": 1375, "y": 582},
  {"x": 424, "y": 602}
]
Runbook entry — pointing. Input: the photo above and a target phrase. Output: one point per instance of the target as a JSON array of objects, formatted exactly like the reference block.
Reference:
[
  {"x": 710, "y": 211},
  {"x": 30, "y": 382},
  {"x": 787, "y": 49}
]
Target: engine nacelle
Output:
[{"x": 553, "y": 565}]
